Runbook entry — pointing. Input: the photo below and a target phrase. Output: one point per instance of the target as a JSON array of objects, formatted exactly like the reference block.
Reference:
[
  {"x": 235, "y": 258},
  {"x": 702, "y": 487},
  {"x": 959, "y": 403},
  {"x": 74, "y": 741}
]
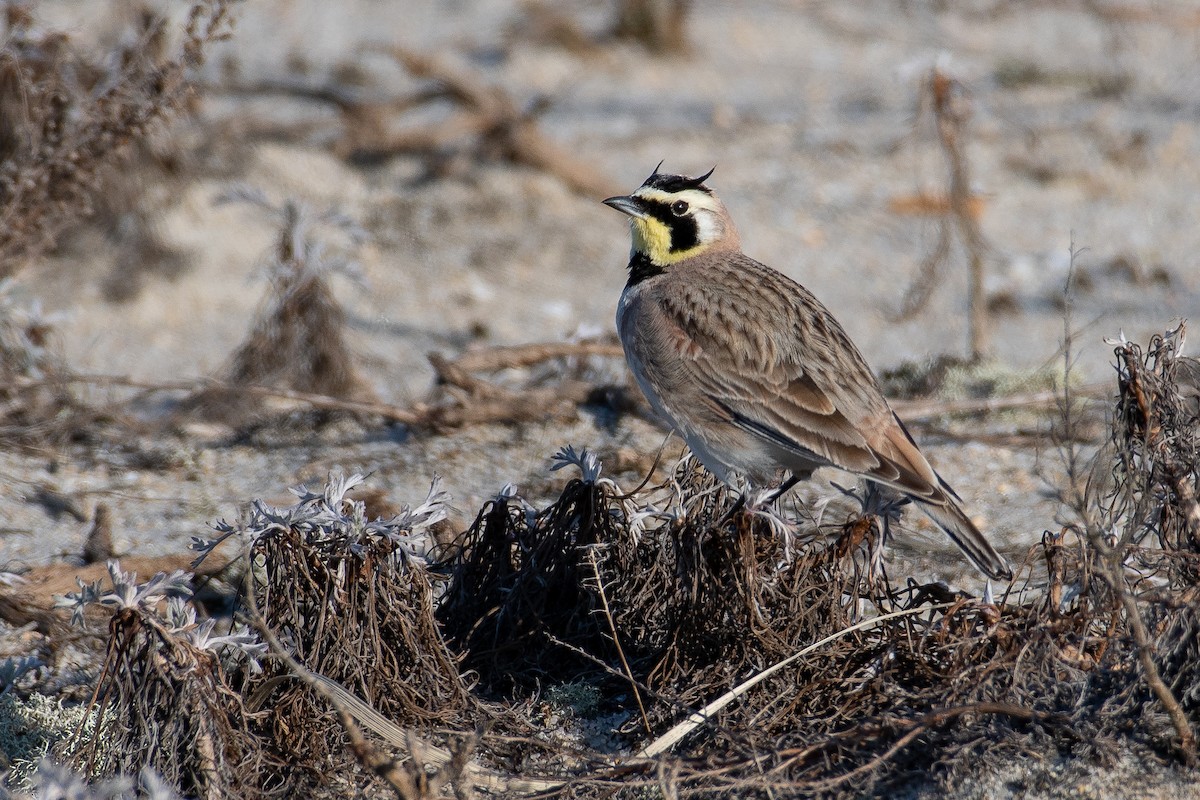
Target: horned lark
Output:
[{"x": 752, "y": 370}]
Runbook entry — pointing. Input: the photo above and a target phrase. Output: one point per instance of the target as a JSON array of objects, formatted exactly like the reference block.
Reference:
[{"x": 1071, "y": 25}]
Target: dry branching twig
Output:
[
  {"x": 490, "y": 124},
  {"x": 960, "y": 210},
  {"x": 556, "y": 379},
  {"x": 566, "y": 380}
]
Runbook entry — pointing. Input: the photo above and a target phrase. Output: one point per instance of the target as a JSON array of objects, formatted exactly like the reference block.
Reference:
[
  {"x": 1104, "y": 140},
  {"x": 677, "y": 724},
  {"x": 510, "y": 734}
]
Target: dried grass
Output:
[{"x": 665, "y": 597}]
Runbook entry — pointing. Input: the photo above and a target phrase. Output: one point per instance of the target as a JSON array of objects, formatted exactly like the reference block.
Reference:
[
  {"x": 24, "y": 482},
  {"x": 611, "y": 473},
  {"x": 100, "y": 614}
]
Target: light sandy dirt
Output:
[
  {"x": 1084, "y": 128},
  {"x": 810, "y": 112}
]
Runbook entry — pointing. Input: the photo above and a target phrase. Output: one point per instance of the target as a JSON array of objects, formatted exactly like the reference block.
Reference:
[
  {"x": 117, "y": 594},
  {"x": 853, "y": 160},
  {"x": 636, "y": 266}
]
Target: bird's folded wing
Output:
[{"x": 767, "y": 390}]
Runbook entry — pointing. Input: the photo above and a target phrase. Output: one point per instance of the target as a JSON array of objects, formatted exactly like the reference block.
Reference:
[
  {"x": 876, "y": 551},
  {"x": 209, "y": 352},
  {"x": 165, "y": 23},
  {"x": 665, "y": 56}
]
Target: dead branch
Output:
[
  {"x": 317, "y": 401},
  {"x": 489, "y": 115},
  {"x": 951, "y": 114},
  {"x": 466, "y": 398},
  {"x": 959, "y": 206},
  {"x": 490, "y": 359},
  {"x": 476, "y": 400}
]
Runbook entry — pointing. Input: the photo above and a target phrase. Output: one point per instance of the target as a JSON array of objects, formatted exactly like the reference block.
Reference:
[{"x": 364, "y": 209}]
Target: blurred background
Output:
[
  {"x": 1077, "y": 120},
  {"x": 435, "y": 168}
]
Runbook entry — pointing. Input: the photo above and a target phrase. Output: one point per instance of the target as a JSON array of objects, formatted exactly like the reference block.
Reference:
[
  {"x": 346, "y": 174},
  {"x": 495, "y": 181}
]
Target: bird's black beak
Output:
[{"x": 626, "y": 205}]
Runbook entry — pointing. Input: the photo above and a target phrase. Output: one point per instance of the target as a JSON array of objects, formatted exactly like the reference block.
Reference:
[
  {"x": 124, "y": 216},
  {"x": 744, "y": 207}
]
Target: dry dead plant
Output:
[
  {"x": 489, "y": 124},
  {"x": 519, "y": 581},
  {"x": 37, "y": 404},
  {"x": 162, "y": 699},
  {"x": 353, "y": 599},
  {"x": 1140, "y": 514},
  {"x": 486, "y": 124},
  {"x": 68, "y": 121},
  {"x": 659, "y": 25},
  {"x": 543, "y": 381},
  {"x": 958, "y": 209},
  {"x": 298, "y": 340},
  {"x": 685, "y": 598}
]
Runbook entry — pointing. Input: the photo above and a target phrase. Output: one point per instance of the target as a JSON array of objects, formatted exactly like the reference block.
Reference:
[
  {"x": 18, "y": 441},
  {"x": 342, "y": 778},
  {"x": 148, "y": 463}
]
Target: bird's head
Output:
[{"x": 674, "y": 217}]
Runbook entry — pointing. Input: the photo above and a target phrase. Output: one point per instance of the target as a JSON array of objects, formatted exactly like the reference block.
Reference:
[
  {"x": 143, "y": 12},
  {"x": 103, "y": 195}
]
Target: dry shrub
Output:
[
  {"x": 163, "y": 700},
  {"x": 1141, "y": 517},
  {"x": 67, "y": 120},
  {"x": 683, "y": 604},
  {"x": 298, "y": 340},
  {"x": 520, "y": 581},
  {"x": 692, "y": 601},
  {"x": 353, "y": 598}
]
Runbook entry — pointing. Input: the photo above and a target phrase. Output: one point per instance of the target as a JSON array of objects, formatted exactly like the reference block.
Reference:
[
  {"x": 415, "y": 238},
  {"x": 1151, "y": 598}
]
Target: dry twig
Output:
[{"x": 951, "y": 114}]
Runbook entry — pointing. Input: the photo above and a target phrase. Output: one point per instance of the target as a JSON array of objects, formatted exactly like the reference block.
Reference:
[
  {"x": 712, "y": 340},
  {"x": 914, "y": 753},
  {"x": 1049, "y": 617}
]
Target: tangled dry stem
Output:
[
  {"x": 959, "y": 209},
  {"x": 163, "y": 699},
  {"x": 664, "y": 600}
]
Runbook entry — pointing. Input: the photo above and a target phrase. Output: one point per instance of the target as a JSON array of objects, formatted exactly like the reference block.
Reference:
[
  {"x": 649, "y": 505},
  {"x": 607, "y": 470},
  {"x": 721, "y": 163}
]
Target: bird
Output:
[{"x": 752, "y": 370}]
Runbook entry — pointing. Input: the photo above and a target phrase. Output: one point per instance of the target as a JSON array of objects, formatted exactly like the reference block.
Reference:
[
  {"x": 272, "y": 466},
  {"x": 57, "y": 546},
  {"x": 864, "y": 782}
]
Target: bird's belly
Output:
[
  {"x": 719, "y": 445},
  {"x": 722, "y": 448}
]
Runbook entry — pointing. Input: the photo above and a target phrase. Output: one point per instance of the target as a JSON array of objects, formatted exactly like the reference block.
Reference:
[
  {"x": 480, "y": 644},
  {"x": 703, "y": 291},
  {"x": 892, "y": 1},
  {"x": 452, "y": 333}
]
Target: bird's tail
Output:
[{"x": 942, "y": 507}]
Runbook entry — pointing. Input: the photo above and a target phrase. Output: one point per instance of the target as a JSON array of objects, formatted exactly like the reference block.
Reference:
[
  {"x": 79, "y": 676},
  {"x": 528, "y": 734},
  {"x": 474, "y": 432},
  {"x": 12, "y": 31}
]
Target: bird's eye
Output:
[{"x": 679, "y": 208}]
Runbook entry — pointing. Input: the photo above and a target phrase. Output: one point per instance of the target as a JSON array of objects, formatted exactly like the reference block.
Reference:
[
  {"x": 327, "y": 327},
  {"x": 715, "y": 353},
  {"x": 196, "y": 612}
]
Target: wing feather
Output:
[{"x": 799, "y": 382}]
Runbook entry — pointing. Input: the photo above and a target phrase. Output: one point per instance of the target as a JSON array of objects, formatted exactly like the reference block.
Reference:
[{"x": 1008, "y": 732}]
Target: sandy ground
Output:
[
  {"x": 810, "y": 112},
  {"x": 1084, "y": 128}
]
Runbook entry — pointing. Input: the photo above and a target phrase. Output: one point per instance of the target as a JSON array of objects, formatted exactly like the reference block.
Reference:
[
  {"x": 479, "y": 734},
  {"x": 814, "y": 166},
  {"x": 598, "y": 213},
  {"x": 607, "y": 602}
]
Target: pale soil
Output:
[{"x": 808, "y": 111}]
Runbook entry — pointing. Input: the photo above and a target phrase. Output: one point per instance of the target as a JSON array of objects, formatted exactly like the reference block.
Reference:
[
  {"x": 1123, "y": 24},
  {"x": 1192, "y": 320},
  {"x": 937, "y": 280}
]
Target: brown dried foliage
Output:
[
  {"x": 164, "y": 701},
  {"x": 520, "y": 581},
  {"x": 361, "y": 615},
  {"x": 67, "y": 121}
]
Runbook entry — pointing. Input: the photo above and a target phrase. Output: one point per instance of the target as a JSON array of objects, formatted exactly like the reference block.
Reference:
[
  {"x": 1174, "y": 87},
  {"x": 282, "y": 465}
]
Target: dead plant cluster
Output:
[
  {"x": 163, "y": 699},
  {"x": 758, "y": 652},
  {"x": 298, "y": 340},
  {"x": 354, "y": 599},
  {"x": 69, "y": 121}
]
